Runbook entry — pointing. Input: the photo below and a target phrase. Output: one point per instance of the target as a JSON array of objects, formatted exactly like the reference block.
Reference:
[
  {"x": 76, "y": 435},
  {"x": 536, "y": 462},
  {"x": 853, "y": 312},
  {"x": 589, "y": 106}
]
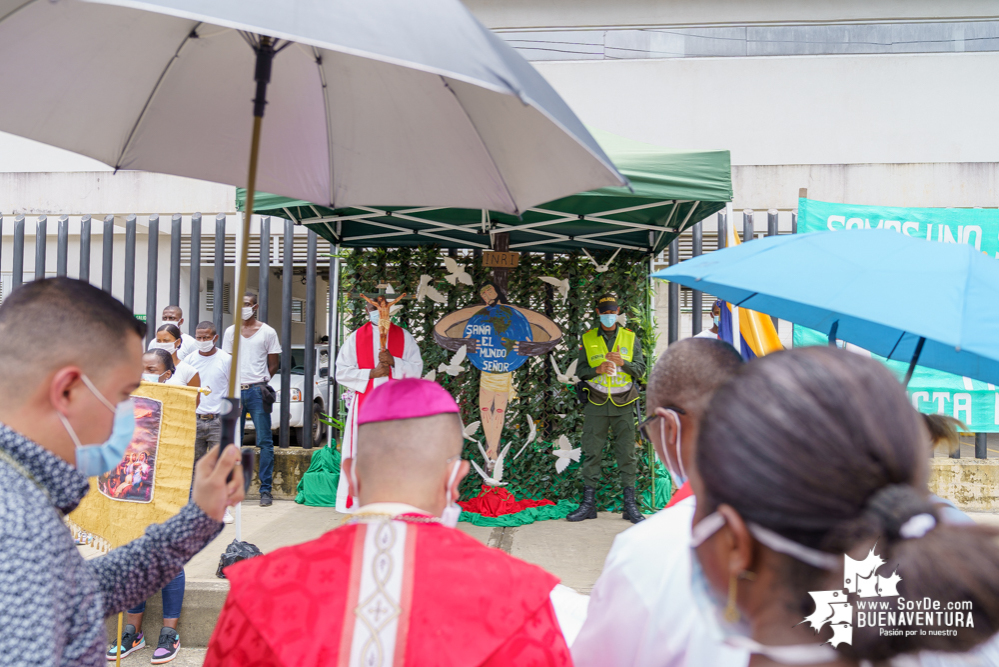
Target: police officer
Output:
[{"x": 610, "y": 363}]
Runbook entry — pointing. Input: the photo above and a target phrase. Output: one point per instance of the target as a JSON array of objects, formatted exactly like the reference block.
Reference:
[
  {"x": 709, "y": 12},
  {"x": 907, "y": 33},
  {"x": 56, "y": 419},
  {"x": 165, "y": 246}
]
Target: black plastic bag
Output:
[{"x": 235, "y": 552}]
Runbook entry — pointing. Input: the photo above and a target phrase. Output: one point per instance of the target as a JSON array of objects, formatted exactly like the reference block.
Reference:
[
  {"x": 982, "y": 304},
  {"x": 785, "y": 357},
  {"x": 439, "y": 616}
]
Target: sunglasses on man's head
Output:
[{"x": 645, "y": 424}]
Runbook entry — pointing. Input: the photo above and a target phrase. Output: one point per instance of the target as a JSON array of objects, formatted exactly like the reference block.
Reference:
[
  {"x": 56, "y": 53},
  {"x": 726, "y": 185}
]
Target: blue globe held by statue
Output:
[{"x": 496, "y": 330}]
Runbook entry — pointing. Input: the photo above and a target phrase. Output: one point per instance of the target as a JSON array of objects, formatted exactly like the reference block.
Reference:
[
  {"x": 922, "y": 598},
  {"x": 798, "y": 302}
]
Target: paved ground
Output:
[{"x": 574, "y": 552}]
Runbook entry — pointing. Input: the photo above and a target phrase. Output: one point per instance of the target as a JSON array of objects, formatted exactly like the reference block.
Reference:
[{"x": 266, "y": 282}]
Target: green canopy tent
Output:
[{"x": 670, "y": 191}]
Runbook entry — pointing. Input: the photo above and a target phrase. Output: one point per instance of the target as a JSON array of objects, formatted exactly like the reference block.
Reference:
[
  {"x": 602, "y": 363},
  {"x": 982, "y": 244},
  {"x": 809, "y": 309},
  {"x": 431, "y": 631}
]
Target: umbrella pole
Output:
[
  {"x": 262, "y": 75},
  {"x": 912, "y": 364}
]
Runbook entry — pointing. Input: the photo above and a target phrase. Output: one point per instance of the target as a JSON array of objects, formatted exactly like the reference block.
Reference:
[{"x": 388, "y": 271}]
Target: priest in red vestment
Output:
[
  {"x": 361, "y": 365},
  {"x": 398, "y": 584}
]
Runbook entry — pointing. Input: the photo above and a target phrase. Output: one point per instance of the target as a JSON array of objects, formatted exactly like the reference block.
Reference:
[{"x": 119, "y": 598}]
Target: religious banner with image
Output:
[
  {"x": 132, "y": 479},
  {"x": 153, "y": 480}
]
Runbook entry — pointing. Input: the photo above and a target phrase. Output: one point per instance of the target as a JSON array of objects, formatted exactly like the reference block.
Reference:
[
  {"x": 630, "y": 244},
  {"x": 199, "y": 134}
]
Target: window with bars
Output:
[
  {"x": 210, "y": 297},
  {"x": 297, "y": 310}
]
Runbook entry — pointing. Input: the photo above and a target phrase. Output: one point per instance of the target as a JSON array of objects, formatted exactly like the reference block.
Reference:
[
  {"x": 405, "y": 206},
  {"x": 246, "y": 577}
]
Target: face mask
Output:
[
  {"x": 374, "y": 316},
  {"x": 680, "y": 475},
  {"x": 94, "y": 460},
  {"x": 608, "y": 319},
  {"x": 738, "y": 634},
  {"x": 206, "y": 345},
  {"x": 151, "y": 377},
  {"x": 247, "y": 312},
  {"x": 716, "y": 319},
  {"x": 449, "y": 517},
  {"x": 169, "y": 347},
  {"x": 712, "y": 607}
]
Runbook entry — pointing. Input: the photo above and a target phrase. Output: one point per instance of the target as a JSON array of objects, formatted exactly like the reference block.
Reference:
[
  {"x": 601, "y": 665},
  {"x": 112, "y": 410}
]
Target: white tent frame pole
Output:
[{"x": 438, "y": 230}]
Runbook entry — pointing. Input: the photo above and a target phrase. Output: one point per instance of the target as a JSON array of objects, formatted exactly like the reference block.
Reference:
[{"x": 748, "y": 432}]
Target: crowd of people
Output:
[{"x": 792, "y": 470}]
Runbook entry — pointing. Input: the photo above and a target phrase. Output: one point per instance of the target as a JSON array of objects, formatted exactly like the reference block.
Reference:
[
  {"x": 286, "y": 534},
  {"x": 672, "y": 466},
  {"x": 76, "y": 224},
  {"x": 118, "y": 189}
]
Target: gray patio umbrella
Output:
[{"x": 386, "y": 102}]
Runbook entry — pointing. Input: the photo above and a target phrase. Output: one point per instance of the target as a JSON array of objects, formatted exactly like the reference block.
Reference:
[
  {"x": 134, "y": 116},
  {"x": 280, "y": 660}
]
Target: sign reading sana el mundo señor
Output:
[{"x": 497, "y": 329}]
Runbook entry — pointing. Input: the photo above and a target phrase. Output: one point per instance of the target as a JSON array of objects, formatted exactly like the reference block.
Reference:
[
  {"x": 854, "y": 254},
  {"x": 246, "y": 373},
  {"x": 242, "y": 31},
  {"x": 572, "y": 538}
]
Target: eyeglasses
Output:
[{"x": 643, "y": 427}]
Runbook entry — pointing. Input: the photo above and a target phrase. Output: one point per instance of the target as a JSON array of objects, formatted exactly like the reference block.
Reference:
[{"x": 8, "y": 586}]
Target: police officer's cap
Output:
[{"x": 606, "y": 303}]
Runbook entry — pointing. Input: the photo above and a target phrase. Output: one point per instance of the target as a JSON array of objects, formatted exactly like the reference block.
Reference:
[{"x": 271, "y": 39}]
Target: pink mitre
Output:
[{"x": 406, "y": 399}]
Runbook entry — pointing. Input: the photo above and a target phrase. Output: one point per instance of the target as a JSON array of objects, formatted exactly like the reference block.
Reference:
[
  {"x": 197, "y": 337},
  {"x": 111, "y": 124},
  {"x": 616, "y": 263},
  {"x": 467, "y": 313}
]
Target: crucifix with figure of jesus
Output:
[{"x": 380, "y": 301}]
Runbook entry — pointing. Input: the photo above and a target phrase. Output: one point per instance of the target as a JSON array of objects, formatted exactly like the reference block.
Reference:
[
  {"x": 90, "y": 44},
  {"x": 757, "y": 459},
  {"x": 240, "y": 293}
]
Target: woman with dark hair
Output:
[
  {"x": 168, "y": 339},
  {"x": 810, "y": 455},
  {"x": 157, "y": 366}
]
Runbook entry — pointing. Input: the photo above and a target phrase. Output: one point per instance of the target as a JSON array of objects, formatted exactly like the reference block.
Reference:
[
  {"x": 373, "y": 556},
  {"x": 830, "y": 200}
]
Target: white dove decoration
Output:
[
  {"x": 432, "y": 375},
  {"x": 622, "y": 319},
  {"x": 468, "y": 433},
  {"x": 496, "y": 478},
  {"x": 456, "y": 272},
  {"x": 569, "y": 377},
  {"x": 562, "y": 285},
  {"x": 565, "y": 453},
  {"x": 387, "y": 287},
  {"x": 602, "y": 268},
  {"x": 530, "y": 436},
  {"x": 454, "y": 367},
  {"x": 470, "y": 430},
  {"x": 428, "y": 291}
]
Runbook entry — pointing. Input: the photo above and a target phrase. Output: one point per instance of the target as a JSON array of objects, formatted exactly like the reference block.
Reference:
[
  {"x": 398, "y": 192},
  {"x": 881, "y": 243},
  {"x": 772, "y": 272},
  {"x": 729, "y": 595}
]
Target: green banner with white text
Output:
[{"x": 974, "y": 402}]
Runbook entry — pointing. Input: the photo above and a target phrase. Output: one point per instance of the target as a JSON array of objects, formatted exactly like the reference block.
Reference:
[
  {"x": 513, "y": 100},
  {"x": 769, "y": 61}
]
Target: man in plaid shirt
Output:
[{"x": 68, "y": 351}]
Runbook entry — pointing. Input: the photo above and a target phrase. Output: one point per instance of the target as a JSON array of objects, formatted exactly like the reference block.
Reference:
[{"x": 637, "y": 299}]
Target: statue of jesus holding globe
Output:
[{"x": 498, "y": 338}]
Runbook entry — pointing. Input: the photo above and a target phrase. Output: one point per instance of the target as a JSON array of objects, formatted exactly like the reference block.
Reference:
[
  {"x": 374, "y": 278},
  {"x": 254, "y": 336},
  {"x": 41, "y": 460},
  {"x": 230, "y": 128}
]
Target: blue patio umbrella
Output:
[{"x": 899, "y": 297}]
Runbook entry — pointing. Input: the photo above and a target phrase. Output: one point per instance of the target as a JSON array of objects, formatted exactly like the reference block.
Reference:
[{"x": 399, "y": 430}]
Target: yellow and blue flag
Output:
[{"x": 758, "y": 334}]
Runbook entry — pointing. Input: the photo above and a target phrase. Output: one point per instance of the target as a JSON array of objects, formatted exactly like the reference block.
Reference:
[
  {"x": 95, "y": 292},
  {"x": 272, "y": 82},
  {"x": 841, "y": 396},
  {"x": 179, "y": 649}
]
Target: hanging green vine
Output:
[{"x": 554, "y": 407}]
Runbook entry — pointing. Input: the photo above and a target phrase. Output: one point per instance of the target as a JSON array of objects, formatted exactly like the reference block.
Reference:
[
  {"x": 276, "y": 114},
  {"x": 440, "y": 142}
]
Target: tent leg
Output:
[
  {"x": 333, "y": 338},
  {"x": 915, "y": 359}
]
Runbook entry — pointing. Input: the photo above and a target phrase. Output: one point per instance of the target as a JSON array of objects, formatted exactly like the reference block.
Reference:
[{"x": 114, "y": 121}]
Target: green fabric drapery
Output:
[{"x": 670, "y": 191}]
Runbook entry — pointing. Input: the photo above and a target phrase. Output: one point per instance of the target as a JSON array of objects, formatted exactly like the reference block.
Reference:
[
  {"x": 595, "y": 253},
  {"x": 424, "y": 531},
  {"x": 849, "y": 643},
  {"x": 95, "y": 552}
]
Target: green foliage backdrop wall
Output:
[{"x": 553, "y": 406}]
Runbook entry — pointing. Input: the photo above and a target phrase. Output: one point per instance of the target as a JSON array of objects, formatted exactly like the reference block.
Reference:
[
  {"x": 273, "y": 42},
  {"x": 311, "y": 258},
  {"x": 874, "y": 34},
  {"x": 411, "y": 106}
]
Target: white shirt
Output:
[
  {"x": 642, "y": 611},
  {"x": 188, "y": 345},
  {"x": 183, "y": 374},
  {"x": 214, "y": 372},
  {"x": 706, "y": 333},
  {"x": 253, "y": 353}
]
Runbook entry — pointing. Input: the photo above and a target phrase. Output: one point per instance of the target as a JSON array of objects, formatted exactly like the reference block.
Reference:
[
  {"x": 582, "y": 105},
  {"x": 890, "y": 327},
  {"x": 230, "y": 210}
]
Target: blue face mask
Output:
[
  {"x": 95, "y": 460},
  {"x": 608, "y": 319}
]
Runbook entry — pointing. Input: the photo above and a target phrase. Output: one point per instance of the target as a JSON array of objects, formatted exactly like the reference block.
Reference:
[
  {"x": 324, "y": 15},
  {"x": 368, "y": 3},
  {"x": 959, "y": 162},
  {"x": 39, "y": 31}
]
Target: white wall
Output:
[
  {"x": 101, "y": 192},
  {"x": 796, "y": 110},
  {"x": 500, "y": 14}
]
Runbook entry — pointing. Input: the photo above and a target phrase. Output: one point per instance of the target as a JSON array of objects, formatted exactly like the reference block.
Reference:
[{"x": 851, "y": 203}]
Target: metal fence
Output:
[
  {"x": 195, "y": 259},
  {"x": 694, "y": 240}
]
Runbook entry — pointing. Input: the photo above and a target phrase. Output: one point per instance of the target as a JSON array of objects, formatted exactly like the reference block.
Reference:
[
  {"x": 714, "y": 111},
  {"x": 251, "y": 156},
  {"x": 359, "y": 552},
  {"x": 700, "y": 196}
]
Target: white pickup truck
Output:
[{"x": 320, "y": 397}]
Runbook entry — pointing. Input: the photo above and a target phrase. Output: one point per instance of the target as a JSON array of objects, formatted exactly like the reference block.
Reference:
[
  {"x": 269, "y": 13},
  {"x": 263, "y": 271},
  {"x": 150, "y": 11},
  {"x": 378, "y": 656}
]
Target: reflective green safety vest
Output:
[{"x": 609, "y": 386}]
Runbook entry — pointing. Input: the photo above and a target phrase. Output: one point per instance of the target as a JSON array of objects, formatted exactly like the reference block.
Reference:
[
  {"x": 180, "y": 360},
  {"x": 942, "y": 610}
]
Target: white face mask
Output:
[
  {"x": 738, "y": 634},
  {"x": 449, "y": 517},
  {"x": 375, "y": 317},
  {"x": 247, "y": 312},
  {"x": 206, "y": 345},
  {"x": 152, "y": 377},
  {"x": 679, "y": 475},
  {"x": 169, "y": 347}
]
